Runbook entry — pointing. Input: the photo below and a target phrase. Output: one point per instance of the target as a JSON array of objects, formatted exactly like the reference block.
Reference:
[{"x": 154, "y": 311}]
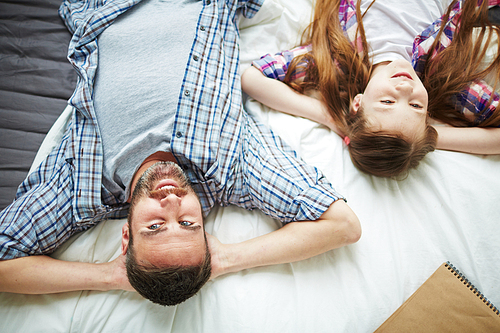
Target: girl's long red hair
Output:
[
  {"x": 338, "y": 71},
  {"x": 448, "y": 72}
]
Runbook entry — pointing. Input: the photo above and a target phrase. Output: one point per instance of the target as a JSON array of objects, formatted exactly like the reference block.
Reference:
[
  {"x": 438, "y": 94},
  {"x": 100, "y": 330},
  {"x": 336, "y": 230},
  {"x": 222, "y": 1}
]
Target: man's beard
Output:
[{"x": 154, "y": 174}]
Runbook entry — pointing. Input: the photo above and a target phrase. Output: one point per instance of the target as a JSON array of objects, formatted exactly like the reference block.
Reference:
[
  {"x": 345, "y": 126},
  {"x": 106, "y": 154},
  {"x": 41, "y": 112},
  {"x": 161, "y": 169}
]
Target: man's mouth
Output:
[
  {"x": 167, "y": 187},
  {"x": 166, "y": 184}
]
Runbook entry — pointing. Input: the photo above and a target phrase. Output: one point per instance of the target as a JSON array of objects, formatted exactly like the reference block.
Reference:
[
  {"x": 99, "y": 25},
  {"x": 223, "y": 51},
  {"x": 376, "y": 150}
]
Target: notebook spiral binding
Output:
[{"x": 469, "y": 285}]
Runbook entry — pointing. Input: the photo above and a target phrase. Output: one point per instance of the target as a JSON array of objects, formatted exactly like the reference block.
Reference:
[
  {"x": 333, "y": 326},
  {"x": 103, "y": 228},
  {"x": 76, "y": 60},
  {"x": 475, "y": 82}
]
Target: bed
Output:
[{"x": 446, "y": 210}]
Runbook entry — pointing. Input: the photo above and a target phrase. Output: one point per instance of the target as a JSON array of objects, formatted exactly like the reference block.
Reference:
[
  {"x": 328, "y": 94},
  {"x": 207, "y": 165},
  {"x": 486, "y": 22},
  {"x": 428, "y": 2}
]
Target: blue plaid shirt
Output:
[{"x": 228, "y": 156}]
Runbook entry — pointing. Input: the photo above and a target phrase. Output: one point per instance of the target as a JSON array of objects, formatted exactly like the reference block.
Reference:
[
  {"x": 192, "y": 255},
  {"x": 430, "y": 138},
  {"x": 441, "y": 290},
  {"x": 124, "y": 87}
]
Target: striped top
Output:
[{"x": 477, "y": 100}]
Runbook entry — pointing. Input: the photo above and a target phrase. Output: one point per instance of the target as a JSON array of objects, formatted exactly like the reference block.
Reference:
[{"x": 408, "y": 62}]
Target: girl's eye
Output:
[
  {"x": 387, "y": 101},
  {"x": 154, "y": 226},
  {"x": 417, "y": 106},
  {"x": 185, "y": 223}
]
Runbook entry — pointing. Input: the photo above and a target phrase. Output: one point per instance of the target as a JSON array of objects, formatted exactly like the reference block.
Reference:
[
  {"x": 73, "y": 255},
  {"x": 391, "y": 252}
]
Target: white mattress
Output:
[{"x": 447, "y": 209}]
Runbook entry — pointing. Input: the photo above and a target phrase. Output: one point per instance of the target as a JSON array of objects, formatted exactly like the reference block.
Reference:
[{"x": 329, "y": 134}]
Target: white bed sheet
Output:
[{"x": 447, "y": 209}]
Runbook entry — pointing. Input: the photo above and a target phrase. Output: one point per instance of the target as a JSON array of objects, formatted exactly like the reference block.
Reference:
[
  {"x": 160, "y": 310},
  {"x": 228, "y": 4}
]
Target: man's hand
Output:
[
  {"x": 118, "y": 271},
  {"x": 219, "y": 258},
  {"x": 337, "y": 227},
  {"x": 45, "y": 275}
]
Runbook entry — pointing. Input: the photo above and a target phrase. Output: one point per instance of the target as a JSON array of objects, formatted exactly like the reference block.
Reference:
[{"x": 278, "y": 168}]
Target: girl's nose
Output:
[{"x": 404, "y": 87}]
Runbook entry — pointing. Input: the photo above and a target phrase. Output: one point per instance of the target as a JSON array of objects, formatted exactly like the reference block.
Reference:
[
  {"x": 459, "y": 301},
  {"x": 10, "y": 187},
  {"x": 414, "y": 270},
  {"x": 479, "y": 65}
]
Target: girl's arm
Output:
[
  {"x": 278, "y": 96},
  {"x": 473, "y": 140}
]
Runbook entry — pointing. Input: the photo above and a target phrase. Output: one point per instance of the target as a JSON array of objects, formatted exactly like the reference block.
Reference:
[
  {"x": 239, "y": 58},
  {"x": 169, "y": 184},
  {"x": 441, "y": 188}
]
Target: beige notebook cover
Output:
[{"x": 446, "y": 302}]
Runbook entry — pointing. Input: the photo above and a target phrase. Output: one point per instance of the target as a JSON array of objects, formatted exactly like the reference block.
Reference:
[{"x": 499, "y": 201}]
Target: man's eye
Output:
[
  {"x": 154, "y": 226},
  {"x": 185, "y": 223}
]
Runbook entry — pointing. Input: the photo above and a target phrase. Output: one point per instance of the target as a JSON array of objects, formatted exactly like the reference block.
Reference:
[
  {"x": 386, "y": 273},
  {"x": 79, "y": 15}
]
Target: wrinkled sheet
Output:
[{"x": 446, "y": 210}]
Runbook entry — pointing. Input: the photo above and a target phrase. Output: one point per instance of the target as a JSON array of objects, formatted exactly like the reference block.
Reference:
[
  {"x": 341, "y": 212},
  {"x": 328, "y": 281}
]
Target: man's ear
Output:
[
  {"x": 125, "y": 238},
  {"x": 356, "y": 103}
]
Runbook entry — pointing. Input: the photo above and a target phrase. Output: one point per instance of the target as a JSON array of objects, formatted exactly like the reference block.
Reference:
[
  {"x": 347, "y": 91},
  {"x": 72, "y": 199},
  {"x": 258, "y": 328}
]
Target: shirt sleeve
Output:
[
  {"x": 478, "y": 101},
  {"x": 278, "y": 182},
  {"x": 76, "y": 13},
  {"x": 40, "y": 218},
  {"x": 276, "y": 66}
]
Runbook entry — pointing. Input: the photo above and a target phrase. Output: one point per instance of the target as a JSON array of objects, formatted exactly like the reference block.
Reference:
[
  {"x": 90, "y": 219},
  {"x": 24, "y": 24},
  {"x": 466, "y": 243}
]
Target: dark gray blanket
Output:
[{"x": 36, "y": 81}]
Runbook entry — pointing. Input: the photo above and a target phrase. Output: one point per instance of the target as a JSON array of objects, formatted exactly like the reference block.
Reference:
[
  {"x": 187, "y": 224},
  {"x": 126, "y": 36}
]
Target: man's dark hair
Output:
[{"x": 167, "y": 285}]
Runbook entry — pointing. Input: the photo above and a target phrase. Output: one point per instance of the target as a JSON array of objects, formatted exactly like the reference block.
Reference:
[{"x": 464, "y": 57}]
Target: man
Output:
[{"x": 155, "y": 110}]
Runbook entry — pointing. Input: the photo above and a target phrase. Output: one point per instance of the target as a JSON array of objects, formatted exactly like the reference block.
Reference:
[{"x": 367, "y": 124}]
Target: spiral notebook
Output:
[{"x": 446, "y": 302}]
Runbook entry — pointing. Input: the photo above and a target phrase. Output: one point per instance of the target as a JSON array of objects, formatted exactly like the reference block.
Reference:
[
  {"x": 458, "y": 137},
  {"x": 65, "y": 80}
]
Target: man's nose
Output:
[{"x": 171, "y": 200}]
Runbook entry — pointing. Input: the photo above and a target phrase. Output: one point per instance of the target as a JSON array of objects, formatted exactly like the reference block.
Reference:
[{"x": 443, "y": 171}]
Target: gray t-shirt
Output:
[{"x": 142, "y": 60}]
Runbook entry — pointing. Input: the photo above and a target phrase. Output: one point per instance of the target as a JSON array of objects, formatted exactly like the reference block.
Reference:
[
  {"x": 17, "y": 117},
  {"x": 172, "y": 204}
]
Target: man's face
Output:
[{"x": 166, "y": 221}]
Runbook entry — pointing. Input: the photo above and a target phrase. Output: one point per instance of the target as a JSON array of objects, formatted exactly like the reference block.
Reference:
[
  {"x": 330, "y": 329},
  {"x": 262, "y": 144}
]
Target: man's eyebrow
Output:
[{"x": 191, "y": 227}]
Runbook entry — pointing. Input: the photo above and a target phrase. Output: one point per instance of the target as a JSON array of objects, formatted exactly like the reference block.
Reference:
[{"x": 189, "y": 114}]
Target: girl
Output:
[{"x": 361, "y": 82}]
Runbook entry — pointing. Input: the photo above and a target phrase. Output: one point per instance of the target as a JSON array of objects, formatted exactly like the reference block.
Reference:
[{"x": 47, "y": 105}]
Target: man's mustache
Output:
[{"x": 163, "y": 192}]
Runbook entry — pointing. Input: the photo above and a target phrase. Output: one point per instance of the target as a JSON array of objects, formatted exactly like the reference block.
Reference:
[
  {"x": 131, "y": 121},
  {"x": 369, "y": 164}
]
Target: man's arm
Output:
[
  {"x": 337, "y": 227},
  {"x": 45, "y": 275},
  {"x": 278, "y": 96},
  {"x": 473, "y": 140}
]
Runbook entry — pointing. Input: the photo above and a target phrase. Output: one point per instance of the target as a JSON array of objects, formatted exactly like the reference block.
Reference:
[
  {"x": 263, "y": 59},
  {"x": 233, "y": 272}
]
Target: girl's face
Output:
[{"x": 395, "y": 100}]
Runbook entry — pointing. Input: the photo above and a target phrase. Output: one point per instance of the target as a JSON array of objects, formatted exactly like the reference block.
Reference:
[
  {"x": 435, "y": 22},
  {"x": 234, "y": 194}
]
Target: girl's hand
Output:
[
  {"x": 280, "y": 97},
  {"x": 472, "y": 140},
  {"x": 326, "y": 119}
]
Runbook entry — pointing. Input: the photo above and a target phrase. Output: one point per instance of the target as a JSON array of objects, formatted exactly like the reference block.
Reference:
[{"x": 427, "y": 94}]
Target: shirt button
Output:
[
  {"x": 202, "y": 28},
  {"x": 208, "y": 2},
  {"x": 195, "y": 58},
  {"x": 186, "y": 93},
  {"x": 178, "y": 134}
]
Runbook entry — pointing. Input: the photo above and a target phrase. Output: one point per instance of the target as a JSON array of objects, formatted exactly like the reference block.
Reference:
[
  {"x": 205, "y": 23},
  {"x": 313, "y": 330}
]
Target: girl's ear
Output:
[{"x": 356, "y": 103}]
